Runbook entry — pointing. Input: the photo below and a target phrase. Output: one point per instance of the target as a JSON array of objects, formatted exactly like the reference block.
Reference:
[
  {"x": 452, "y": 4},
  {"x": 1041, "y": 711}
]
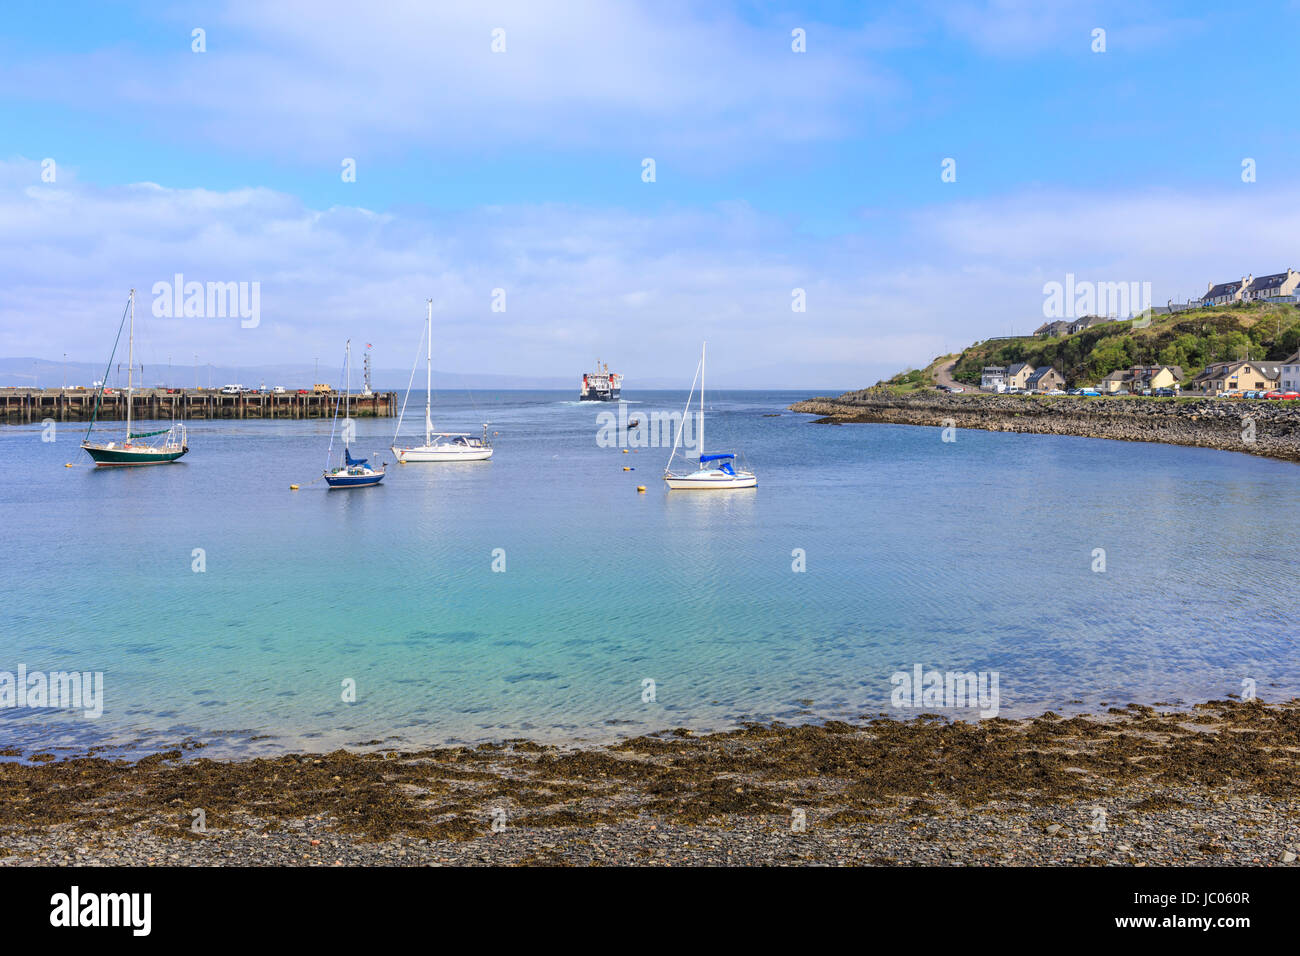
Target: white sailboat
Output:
[
  {"x": 716, "y": 471},
  {"x": 439, "y": 446}
]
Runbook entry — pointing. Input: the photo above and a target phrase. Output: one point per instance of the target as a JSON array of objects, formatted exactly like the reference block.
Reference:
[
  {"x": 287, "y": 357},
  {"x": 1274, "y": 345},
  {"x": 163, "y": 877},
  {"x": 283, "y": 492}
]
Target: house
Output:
[
  {"x": 1155, "y": 376},
  {"x": 1044, "y": 379},
  {"x": 1121, "y": 378},
  {"x": 1237, "y": 376},
  {"x": 1271, "y": 287},
  {"x": 1290, "y": 381},
  {"x": 993, "y": 378},
  {"x": 1018, "y": 375},
  {"x": 1087, "y": 322},
  {"x": 1225, "y": 293},
  {"x": 1051, "y": 330}
]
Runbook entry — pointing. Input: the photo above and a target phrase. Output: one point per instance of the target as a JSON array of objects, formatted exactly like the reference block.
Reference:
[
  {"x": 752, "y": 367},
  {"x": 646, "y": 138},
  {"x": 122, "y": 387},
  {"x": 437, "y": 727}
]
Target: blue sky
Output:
[{"x": 521, "y": 170}]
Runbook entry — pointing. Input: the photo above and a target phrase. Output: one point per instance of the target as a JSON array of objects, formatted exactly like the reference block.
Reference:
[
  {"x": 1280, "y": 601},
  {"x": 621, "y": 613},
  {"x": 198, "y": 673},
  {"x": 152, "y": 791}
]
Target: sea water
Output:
[{"x": 540, "y": 595}]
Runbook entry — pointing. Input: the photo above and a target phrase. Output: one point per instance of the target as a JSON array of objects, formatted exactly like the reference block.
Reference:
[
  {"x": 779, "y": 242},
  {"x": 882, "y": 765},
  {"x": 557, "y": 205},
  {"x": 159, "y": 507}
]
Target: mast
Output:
[
  {"x": 130, "y": 367},
  {"x": 347, "y": 390},
  {"x": 702, "y": 351},
  {"x": 428, "y": 388}
]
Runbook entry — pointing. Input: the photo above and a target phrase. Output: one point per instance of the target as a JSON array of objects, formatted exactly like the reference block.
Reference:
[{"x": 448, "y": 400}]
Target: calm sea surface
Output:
[{"x": 975, "y": 555}]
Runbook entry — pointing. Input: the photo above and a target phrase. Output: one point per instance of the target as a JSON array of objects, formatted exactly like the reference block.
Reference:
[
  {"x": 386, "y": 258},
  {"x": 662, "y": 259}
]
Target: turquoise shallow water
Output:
[{"x": 974, "y": 555}]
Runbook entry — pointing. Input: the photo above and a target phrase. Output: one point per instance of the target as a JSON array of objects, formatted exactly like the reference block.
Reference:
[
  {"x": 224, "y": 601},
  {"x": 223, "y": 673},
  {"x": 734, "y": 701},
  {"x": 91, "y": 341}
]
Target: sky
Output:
[{"x": 781, "y": 175}]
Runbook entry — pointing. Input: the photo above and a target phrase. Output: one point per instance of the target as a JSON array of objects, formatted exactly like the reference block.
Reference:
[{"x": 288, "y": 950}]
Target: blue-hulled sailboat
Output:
[{"x": 352, "y": 472}]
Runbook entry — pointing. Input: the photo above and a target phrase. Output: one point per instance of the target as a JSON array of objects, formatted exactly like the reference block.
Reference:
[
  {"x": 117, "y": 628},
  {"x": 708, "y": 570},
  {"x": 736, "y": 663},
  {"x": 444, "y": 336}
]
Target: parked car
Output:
[
  {"x": 231, "y": 389},
  {"x": 1122, "y": 391},
  {"x": 1164, "y": 393},
  {"x": 278, "y": 390},
  {"x": 1090, "y": 392},
  {"x": 1056, "y": 391},
  {"x": 303, "y": 391}
]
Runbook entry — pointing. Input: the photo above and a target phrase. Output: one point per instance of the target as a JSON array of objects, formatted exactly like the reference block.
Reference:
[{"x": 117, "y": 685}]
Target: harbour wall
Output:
[
  {"x": 1256, "y": 427},
  {"x": 24, "y": 405}
]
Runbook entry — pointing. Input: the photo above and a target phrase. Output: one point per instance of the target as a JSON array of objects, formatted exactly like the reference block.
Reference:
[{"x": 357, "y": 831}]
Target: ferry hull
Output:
[{"x": 104, "y": 456}]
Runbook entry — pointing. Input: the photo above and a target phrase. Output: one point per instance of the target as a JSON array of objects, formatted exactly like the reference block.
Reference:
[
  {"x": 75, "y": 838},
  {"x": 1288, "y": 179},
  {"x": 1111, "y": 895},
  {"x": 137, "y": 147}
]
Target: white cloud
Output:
[
  {"x": 582, "y": 282},
  {"x": 306, "y": 79}
]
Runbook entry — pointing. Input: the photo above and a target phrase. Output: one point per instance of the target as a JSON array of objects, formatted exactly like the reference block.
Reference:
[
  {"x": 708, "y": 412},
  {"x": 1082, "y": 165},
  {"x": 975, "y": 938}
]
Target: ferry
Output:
[{"x": 601, "y": 385}]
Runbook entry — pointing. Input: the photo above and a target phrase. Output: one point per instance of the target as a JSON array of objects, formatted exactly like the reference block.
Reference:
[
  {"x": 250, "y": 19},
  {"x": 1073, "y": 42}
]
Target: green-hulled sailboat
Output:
[{"x": 132, "y": 450}]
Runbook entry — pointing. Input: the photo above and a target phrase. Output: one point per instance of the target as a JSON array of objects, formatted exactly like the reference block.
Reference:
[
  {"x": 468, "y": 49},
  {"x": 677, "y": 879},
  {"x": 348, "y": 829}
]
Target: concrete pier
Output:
[{"x": 22, "y": 405}]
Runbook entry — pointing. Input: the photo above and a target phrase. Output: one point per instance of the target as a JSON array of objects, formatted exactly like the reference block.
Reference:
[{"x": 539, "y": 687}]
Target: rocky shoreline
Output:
[
  {"x": 1267, "y": 428},
  {"x": 1216, "y": 784}
]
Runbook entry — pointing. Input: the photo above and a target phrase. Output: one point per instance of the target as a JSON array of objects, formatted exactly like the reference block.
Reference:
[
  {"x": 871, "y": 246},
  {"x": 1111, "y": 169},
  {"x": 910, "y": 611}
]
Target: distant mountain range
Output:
[
  {"x": 52, "y": 374},
  {"x": 34, "y": 371}
]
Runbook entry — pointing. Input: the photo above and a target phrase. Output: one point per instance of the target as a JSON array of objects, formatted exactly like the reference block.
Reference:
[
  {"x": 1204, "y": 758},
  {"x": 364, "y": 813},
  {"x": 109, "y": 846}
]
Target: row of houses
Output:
[
  {"x": 1279, "y": 285},
  {"x": 1239, "y": 376},
  {"x": 1248, "y": 375},
  {"x": 1050, "y": 330},
  {"x": 1021, "y": 377}
]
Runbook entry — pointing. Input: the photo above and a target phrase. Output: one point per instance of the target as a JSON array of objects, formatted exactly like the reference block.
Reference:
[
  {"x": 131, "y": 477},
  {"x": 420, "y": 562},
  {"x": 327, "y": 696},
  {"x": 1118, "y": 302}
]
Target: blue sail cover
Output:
[
  {"x": 704, "y": 458},
  {"x": 350, "y": 460}
]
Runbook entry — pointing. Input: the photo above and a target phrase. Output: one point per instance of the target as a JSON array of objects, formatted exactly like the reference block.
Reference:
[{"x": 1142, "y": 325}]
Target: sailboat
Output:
[
  {"x": 351, "y": 472},
  {"x": 716, "y": 471},
  {"x": 131, "y": 451},
  {"x": 439, "y": 446}
]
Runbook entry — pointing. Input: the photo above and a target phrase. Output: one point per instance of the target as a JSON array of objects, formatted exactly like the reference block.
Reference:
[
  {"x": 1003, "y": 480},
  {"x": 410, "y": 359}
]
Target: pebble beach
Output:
[{"x": 1215, "y": 784}]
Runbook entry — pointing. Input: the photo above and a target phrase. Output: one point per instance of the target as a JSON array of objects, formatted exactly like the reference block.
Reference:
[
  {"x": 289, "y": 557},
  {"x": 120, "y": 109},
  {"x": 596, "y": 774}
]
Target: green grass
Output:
[{"x": 1191, "y": 340}]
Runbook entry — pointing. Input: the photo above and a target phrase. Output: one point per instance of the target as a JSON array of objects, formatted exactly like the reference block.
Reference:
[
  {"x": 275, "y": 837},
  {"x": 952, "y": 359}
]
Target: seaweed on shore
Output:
[{"x": 839, "y": 772}]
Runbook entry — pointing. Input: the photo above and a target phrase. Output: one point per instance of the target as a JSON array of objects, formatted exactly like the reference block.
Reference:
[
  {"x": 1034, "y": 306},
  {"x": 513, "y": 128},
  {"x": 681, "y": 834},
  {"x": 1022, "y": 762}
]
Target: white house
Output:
[
  {"x": 1225, "y": 293},
  {"x": 1272, "y": 287},
  {"x": 1290, "y": 378},
  {"x": 993, "y": 378}
]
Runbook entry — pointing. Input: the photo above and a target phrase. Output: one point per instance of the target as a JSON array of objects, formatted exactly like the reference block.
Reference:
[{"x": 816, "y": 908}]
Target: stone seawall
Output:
[{"x": 1256, "y": 427}]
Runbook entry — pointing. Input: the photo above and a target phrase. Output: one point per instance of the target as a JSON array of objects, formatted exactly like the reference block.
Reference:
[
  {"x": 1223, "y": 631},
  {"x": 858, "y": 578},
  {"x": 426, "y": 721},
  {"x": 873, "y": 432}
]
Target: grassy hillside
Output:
[
  {"x": 1189, "y": 339},
  {"x": 913, "y": 379}
]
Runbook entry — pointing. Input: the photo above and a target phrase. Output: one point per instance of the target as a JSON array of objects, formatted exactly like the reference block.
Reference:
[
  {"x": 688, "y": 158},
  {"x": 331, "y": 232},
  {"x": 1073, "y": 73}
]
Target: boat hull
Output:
[
  {"x": 440, "y": 453},
  {"x": 118, "y": 455},
  {"x": 354, "y": 481},
  {"x": 711, "y": 481}
]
